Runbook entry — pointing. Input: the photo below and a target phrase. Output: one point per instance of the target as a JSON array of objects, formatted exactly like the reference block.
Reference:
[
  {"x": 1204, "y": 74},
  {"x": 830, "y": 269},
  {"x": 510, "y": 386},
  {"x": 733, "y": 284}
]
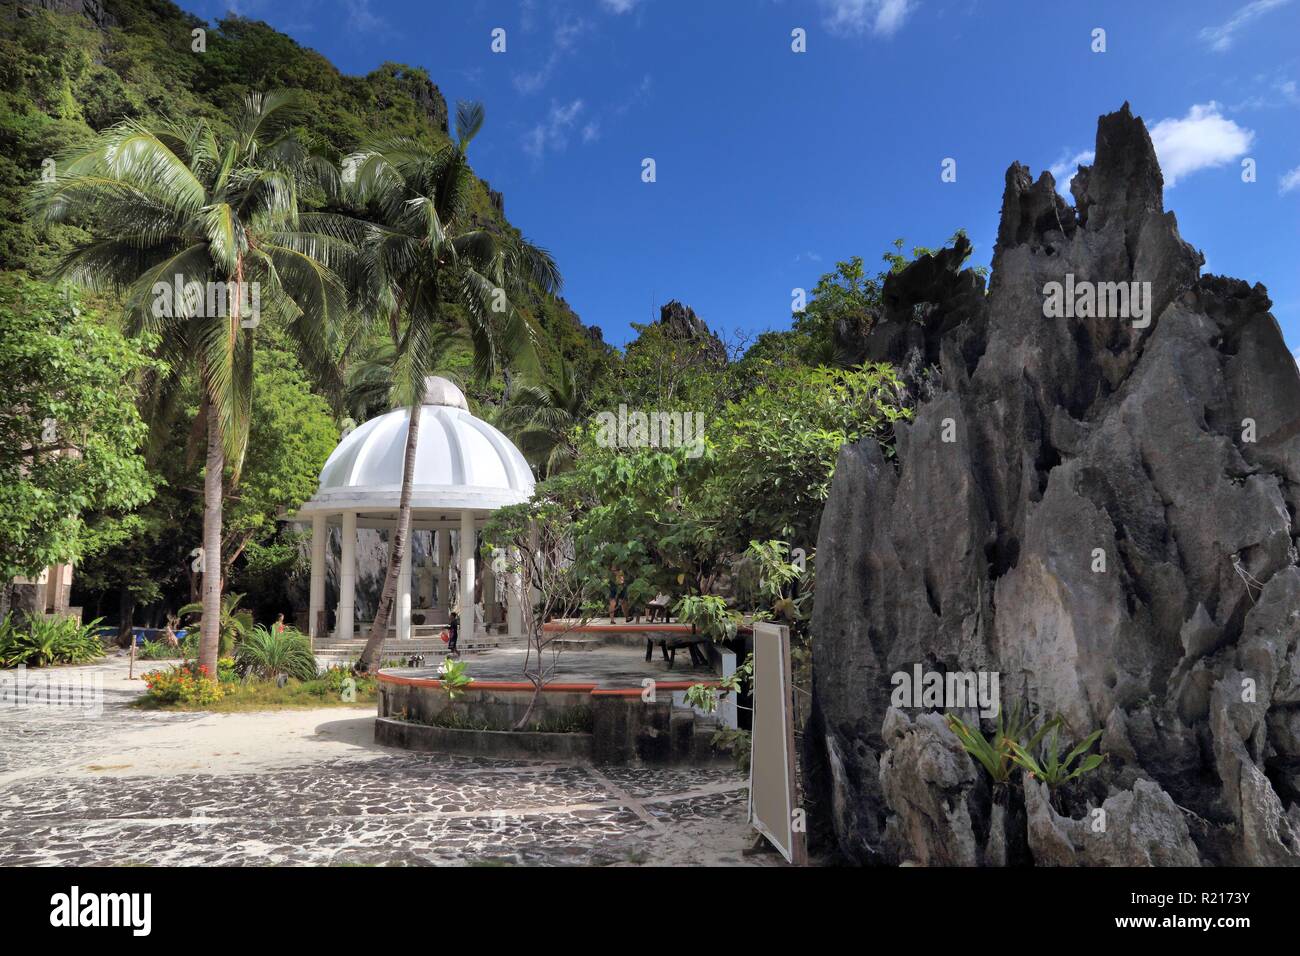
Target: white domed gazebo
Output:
[{"x": 464, "y": 470}]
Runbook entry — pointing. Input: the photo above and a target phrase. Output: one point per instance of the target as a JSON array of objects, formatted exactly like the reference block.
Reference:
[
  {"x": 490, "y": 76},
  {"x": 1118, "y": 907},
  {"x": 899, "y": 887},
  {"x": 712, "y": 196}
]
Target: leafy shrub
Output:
[
  {"x": 709, "y": 615},
  {"x": 268, "y": 654},
  {"x": 158, "y": 651},
  {"x": 43, "y": 641},
  {"x": 186, "y": 683}
]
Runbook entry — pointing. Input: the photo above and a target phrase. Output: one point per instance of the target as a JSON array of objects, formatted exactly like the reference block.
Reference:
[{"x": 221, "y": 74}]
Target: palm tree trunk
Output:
[
  {"x": 401, "y": 539},
  {"x": 210, "y": 634}
]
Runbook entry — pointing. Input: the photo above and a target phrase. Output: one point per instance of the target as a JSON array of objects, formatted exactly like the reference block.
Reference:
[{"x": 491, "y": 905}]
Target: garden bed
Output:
[{"x": 265, "y": 695}]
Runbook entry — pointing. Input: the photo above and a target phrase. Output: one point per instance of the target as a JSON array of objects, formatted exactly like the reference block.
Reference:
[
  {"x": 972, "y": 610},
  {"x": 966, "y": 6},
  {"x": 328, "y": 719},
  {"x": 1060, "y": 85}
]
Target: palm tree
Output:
[
  {"x": 540, "y": 417},
  {"x": 170, "y": 204},
  {"x": 420, "y": 254}
]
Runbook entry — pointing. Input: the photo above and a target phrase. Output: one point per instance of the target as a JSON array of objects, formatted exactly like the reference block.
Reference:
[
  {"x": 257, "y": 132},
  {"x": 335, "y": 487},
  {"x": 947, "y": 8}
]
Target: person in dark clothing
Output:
[{"x": 453, "y": 626}]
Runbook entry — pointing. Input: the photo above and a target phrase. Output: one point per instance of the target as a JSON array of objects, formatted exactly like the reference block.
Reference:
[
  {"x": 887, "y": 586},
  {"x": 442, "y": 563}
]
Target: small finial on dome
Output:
[{"x": 442, "y": 391}]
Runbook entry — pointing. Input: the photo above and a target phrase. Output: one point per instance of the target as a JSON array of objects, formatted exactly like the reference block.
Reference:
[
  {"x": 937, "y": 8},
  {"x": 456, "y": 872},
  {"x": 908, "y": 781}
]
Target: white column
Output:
[
  {"x": 316, "y": 606},
  {"x": 347, "y": 577},
  {"x": 467, "y": 542},
  {"x": 404, "y": 591},
  {"x": 444, "y": 568}
]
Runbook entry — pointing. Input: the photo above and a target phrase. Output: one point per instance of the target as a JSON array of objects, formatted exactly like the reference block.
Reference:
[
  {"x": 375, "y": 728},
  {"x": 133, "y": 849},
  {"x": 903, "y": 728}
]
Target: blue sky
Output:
[{"x": 771, "y": 164}]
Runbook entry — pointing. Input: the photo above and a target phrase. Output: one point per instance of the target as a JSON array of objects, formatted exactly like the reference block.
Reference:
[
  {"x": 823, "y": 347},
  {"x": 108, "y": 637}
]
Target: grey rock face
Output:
[
  {"x": 1111, "y": 526},
  {"x": 681, "y": 322},
  {"x": 926, "y": 777},
  {"x": 1138, "y": 827}
]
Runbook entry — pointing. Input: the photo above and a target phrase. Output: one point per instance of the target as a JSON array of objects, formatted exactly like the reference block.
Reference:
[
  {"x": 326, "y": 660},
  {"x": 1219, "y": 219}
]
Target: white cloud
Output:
[
  {"x": 1063, "y": 171},
  {"x": 361, "y": 18},
  {"x": 1202, "y": 139},
  {"x": 1221, "y": 38},
  {"x": 591, "y": 132},
  {"x": 1290, "y": 180},
  {"x": 619, "y": 6},
  {"x": 552, "y": 133},
  {"x": 564, "y": 40},
  {"x": 856, "y": 17}
]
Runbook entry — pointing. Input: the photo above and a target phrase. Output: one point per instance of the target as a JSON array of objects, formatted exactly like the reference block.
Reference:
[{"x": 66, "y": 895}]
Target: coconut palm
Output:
[
  {"x": 541, "y": 416},
  {"x": 170, "y": 204},
  {"x": 424, "y": 261}
]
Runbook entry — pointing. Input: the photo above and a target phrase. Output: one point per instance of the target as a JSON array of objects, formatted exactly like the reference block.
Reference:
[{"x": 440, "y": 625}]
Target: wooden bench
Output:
[{"x": 669, "y": 646}]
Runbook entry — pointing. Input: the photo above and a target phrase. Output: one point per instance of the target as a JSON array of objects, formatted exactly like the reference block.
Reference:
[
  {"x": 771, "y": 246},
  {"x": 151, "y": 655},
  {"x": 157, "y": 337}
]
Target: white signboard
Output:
[{"x": 772, "y": 796}]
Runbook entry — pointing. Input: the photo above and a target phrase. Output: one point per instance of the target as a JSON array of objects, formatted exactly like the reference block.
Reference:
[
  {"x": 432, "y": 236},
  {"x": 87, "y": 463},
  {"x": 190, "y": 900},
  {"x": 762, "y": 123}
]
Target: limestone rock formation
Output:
[
  {"x": 681, "y": 322},
  {"x": 1098, "y": 503}
]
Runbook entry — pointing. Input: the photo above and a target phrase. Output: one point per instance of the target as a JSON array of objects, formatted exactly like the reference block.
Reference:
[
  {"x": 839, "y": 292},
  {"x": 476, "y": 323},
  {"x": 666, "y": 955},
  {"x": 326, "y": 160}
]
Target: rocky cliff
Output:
[{"x": 1096, "y": 500}]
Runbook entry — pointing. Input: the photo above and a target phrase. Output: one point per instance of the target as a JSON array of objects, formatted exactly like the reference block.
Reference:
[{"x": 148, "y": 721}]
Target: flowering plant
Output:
[{"x": 186, "y": 683}]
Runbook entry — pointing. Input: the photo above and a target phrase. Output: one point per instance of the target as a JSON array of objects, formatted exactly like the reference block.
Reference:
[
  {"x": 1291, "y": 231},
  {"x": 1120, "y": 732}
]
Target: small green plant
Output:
[
  {"x": 454, "y": 676},
  {"x": 995, "y": 754},
  {"x": 706, "y": 697},
  {"x": 1049, "y": 767},
  {"x": 270, "y": 653}
]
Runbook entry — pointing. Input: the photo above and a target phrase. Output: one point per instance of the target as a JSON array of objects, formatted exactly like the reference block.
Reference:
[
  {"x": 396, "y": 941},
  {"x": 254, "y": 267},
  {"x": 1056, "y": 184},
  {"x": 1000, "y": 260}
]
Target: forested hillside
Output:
[{"x": 69, "y": 70}]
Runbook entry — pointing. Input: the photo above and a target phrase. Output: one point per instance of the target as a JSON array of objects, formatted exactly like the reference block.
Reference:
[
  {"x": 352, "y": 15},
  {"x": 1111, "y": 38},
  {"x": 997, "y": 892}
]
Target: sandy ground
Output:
[{"x": 104, "y": 783}]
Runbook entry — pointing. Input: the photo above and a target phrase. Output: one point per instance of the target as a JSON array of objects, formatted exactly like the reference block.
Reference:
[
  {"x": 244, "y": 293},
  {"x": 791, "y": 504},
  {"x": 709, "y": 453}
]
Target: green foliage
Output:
[
  {"x": 1048, "y": 766},
  {"x": 157, "y": 651},
  {"x": 291, "y": 433},
  {"x": 709, "y": 615},
  {"x": 996, "y": 754},
  {"x": 454, "y": 675},
  {"x": 776, "y": 446},
  {"x": 269, "y": 654},
  {"x": 707, "y": 697},
  {"x": 70, "y": 434},
  {"x": 45, "y": 641},
  {"x": 236, "y": 624}
]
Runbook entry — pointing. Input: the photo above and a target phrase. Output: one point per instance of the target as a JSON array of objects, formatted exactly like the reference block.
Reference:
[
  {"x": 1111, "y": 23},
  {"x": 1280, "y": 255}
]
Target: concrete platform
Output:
[{"x": 608, "y": 667}]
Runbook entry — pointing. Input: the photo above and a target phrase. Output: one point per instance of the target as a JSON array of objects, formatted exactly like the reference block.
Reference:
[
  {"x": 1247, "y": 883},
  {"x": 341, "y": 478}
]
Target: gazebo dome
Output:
[{"x": 462, "y": 462}]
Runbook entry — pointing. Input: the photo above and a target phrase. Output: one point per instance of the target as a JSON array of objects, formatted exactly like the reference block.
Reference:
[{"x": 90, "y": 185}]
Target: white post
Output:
[
  {"x": 316, "y": 606},
  {"x": 444, "y": 568},
  {"x": 347, "y": 578},
  {"x": 404, "y": 592},
  {"x": 468, "y": 539}
]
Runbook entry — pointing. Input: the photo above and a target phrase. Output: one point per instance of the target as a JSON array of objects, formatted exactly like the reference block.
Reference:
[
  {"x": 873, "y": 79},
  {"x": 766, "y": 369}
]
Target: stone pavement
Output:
[{"x": 310, "y": 787}]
